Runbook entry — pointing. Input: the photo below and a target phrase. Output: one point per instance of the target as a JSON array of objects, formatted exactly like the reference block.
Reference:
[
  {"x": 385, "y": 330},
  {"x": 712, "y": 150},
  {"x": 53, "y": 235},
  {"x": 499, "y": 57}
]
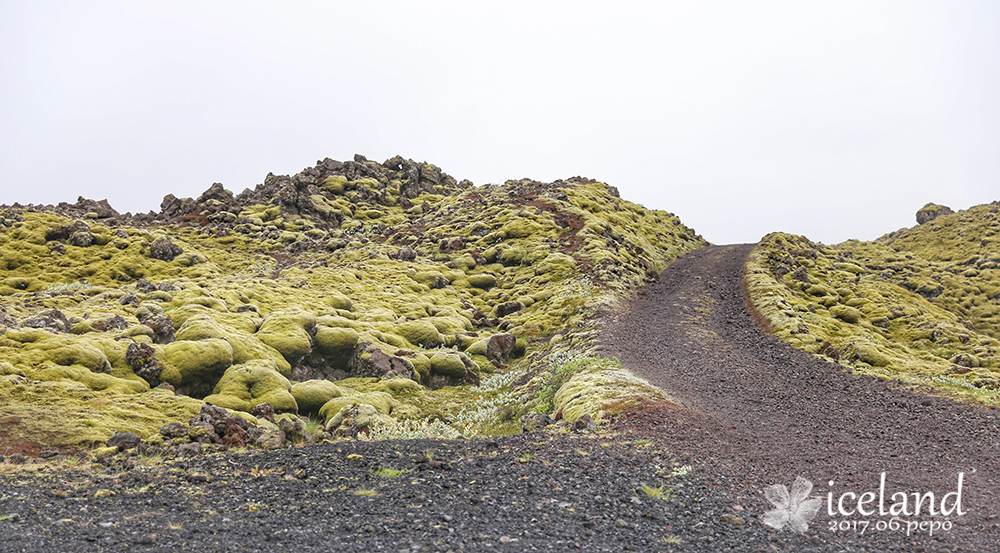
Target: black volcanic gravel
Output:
[{"x": 539, "y": 491}]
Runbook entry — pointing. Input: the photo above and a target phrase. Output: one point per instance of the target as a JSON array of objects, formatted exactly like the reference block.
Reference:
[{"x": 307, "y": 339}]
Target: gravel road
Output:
[{"x": 758, "y": 413}]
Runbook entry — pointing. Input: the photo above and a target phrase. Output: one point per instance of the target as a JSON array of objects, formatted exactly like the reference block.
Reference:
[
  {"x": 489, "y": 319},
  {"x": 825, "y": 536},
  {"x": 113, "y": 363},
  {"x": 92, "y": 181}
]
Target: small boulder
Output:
[
  {"x": 380, "y": 401},
  {"x": 192, "y": 449},
  {"x": 141, "y": 357},
  {"x": 536, "y": 421},
  {"x": 164, "y": 249},
  {"x": 354, "y": 419},
  {"x": 162, "y": 327},
  {"x": 932, "y": 211},
  {"x": 497, "y": 348},
  {"x": 584, "y": 424},
  {"x": 143, "y": 285},
  {"x": 123, "y": 441},
  {"x": 500, "y": 347},
  {"x": 81, "y": 239},
  {"x": 214, "y": 422},
  {"x": 52, "y": 319},
  {"x": 509, "y": 307},
  {"x": 174, "y": 430},
  {"x": 369, "y": 361},
  {"x": 406, "y": 254},
  {"x": 263, "y": 411}
]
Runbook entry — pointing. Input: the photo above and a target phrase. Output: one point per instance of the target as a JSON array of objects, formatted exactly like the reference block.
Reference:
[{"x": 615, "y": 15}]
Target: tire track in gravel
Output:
[{"x": 758, "y": 412}]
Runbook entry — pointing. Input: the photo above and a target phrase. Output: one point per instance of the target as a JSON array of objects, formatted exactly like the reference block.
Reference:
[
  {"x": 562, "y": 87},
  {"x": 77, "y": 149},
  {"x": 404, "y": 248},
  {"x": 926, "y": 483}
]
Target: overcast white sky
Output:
[{"x": 835, "y": 120}]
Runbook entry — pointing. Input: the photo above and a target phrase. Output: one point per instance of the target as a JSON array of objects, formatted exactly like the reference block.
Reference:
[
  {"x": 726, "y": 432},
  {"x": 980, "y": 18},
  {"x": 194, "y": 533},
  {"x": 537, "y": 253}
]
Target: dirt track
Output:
[{"x": 762, "y": 413}]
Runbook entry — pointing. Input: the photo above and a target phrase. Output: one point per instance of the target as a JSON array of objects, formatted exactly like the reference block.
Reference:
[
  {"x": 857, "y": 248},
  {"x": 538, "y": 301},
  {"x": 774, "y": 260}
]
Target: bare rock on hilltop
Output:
[{"x": 932, "y": 211}]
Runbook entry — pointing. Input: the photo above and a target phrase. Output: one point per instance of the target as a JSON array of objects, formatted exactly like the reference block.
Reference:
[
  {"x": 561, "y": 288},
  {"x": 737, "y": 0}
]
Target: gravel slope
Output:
[{"x": 761, "y": 413}]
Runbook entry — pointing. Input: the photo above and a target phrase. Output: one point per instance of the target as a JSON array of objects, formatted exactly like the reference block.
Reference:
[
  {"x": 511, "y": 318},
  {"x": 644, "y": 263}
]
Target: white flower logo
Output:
[{"x": 793, "y": 510}]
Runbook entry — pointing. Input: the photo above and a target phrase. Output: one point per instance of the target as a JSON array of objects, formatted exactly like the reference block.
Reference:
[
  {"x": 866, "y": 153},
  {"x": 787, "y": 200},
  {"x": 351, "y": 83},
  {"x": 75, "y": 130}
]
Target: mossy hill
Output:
[
  {"x": 921, "y": 304},
  {"x": 371, "y": 297}
]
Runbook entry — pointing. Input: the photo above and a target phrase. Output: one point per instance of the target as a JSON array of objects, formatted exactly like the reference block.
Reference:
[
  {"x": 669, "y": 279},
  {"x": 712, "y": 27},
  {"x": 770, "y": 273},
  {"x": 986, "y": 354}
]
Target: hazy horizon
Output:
[{"x": 836, "y": 121}]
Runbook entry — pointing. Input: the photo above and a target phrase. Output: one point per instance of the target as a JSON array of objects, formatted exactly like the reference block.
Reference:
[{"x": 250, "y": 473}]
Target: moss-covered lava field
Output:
[
  {"x": 355, "y": 298},
  {"x": 921, "y": 305}
]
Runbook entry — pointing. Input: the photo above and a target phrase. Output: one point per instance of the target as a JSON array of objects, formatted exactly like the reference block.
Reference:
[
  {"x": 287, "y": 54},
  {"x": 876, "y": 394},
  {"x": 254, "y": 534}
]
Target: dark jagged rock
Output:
[
  {"x": 218, "y": 193},
  {"x": 509, "y": 307},
  {"x": 217, "y": 422},
  {"x": 406, "y": 254},
  {"x": 143, "y": 285},
  {"x": 369, "y": 361},
  {"x": 164, "y": 249},
  {"x": 500, "y": 347},
  {"x": 142, "y": 359},
  {"x": 81, "y": 239},
  {"x": 124, "y": 440},
  {"x": 295, "y": 432},
  {"x": 52, "y": 319},
  {"x": 100, "y": 209},
  {"x": 175, "y": 430},
  {"x": 263, "y": 411}
]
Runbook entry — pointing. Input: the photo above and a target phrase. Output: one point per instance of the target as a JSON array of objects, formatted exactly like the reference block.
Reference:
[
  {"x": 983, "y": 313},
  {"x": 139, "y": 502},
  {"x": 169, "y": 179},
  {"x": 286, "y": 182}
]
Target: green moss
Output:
[
  {"x": 904, "y": 317},
  {"x": 245, "y": 346},
  {"x": 448, "y": 364},
  {"x": 399, "y": 386},
  {"x": 381, "y": 401},
  {"x": 339, "y": 301},
  {"x": 556, "y": 265},
  {"x": 7, "y": 369},
  {"x": 247, "y": 385},
  {"x": 562, "y": 250},
  {"x": 520, "y": 227},
  {"x": 599, "y": 387},
  {"x": 311, "y": 395},
  {"x": 478, "y": 347},
  {"x": 193, "y": 362},
  {"x": 422, "y": 365},
  {"x": 338, "y": 342},
  {"x": 288, "y": 332},
  {"x": 483, "y": 281},
  {"x": 421, "y": 332},
  {"x": 454, "y": 324},
  {"x": 820, "y": 290},
  {"x": 59, "y": 414},
  {"x": 846, "y": 313}
]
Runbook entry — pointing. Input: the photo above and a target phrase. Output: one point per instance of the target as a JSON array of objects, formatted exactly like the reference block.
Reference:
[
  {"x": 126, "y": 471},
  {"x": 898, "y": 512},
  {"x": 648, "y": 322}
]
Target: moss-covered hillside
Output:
[
  {"x": 919, "y": 304},
  {"x": 359, "y": 294}
]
